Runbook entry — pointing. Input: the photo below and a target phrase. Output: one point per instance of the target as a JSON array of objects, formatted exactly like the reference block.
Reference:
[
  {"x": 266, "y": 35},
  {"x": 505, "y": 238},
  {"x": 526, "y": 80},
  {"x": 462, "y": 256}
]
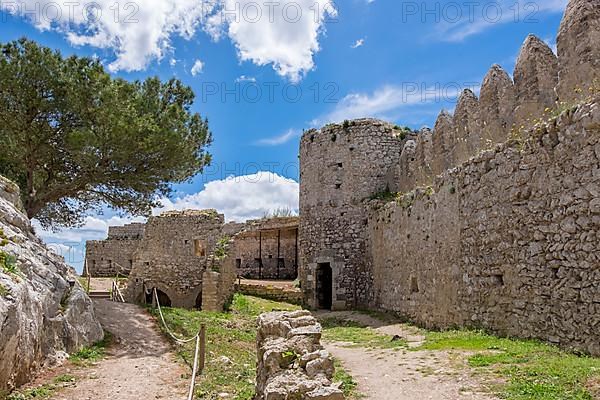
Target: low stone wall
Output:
[
  {"x": 275, "y": 293},
  {"x": 292, "y": 364}
]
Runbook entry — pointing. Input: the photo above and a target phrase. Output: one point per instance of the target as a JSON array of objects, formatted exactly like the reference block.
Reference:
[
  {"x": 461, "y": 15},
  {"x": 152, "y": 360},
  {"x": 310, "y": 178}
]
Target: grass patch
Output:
[
  {"x": 348, "y": 385},
  {"x": 532, "y": 370},
  {"x": 92, "y": 354},
  {"x": 83, "y": 281},
  {"x": 359, "y": 335},
  {"x": 44, "y": 391},
  {"x": 230, "y": 344}
]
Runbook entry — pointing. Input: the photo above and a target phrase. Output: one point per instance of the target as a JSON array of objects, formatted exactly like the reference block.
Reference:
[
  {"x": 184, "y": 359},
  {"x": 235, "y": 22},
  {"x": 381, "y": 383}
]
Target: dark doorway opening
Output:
[
  {"x": 199, "y": 301},
  {"x": 163, "y": 299},
  {"x": 324, "y": 286}
]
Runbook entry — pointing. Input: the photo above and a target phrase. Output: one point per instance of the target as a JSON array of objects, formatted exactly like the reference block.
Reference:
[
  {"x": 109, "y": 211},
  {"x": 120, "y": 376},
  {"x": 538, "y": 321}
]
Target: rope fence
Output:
[{"x": 199, "y": 351}]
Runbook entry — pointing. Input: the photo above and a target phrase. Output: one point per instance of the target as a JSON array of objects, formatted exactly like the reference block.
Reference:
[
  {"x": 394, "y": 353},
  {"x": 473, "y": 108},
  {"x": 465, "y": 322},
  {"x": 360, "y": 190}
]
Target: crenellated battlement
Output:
[{"x": 542, "y": 82}]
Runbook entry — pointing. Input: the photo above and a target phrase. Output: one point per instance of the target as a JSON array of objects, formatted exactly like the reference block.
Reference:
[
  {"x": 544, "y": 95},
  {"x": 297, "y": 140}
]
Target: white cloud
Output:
[
  {"x": 243, "y": 197},
  {"x": 358, "y": 43},
  {"x": 281, "y": 139},
  {"x": 475, "y": 18},
  {"x": 285, "y": 36},
  {"x": 197, "y": 68},
  {"x": 245, "y": 78}
]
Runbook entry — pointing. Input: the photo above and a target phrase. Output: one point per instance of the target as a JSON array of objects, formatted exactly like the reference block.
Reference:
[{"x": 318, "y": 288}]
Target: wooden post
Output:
[
  {"x": 87, "y": 273},
  {"x": 202, "y": 360}
]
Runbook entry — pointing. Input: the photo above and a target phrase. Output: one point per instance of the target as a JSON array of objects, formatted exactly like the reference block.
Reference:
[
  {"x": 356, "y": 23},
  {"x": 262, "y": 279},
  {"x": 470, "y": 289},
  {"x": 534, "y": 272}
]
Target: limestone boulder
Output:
[{"x": 44, "y": 312}]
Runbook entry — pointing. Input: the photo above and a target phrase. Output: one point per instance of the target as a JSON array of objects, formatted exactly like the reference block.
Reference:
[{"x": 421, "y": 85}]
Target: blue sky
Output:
[{"x": 264, "y": 71}]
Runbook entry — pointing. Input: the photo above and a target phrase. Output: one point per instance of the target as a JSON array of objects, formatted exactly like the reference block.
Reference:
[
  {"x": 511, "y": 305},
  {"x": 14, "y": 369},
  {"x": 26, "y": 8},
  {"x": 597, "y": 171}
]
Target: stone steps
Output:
[{"x": 99, "y": 294}]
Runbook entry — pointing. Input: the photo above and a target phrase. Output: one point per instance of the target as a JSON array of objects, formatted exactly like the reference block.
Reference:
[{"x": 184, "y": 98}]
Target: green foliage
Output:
[
  {"x": 282, "y": 212},
  {"x": 3, "y": 291},
  {"x": 42, "y": 392},
  {"x": 90, "y": 355},
  {"x": 533, "y": 370},
  {"x": 8, "y": 262},
  {"x": 357, "y": 334},
  {"x": 385, "y": 195},
  {"x": 74, "y": 138},
  {"x": 346, "y": 125},
  {"x": 232, "y": 335},
  {"x": 403, "y": 131}
]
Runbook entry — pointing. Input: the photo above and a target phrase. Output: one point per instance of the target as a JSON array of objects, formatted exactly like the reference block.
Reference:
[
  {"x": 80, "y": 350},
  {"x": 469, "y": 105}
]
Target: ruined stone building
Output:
[
  {"x": 175, "y": 253},
  {"x": 489, "y": 221},
  {"x": 268, "y": 249},
  {"x": 106, "y": 258}
]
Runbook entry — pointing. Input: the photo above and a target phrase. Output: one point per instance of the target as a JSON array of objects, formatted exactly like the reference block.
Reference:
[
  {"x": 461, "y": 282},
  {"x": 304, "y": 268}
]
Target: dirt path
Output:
[
  {"x": 140, "y": 365},
  {"x": 405, "y": 374}
]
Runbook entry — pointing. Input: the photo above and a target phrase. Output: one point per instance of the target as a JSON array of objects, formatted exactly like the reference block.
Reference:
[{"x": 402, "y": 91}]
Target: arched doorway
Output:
[
  {"x": 163, "y": 298},
  {"x": 324, "y": 286}
]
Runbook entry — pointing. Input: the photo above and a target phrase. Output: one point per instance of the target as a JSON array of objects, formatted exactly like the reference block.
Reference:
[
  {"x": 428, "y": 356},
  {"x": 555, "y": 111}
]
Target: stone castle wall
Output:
[
  {"x": 505, "y": 238},
  {"x": 507, "y": 241}
]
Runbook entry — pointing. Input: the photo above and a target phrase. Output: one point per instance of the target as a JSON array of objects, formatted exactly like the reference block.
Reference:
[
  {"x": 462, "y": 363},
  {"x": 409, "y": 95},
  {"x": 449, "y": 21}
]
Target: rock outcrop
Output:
[
  {"x": 292, "y": 364},
  {"x": 44, "y": 312}
]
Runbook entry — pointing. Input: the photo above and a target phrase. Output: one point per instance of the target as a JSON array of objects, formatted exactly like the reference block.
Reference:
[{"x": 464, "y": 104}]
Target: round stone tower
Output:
[{"x": 341, "y": 167}]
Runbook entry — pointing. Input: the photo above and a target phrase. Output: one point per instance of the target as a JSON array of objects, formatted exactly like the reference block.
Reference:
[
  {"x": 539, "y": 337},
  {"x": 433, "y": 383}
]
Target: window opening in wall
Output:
[
  {"x": 238, "y": 263},
  {"x": 199, "y": 248},
  {"x": 324, "y": 286},
  {"x": 186, "y": 241},
  {"x": 338, "y": 185},
  {"x": 414, "y": 284},
  {"x": 498, "y": 279}
]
